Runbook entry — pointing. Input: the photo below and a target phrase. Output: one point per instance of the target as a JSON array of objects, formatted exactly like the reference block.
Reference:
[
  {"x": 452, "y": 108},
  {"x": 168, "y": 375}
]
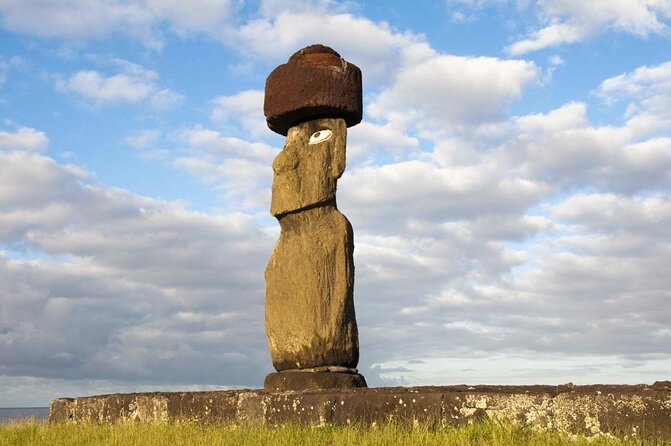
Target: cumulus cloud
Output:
[
  {"x": 570, "y": 21},
  {"x": 648, "y": 92},
  {"x": 457, "y": 253},
  {"x": 632, "y": 158},
  {"x": 609, "y": 212},
  {"x": 24, "y": 138},
  {"x": 480, "y": 236},
  {"x": 601, "y": 157},
  {"x": 239, "y": 170},
  {"x": 461, "y": 249},
  {"x": 368, "y": 141},
  {"x": 140, "y": 19},
  {"x": 270, "y": 8},
  {"x": 276, "y": 29},
  {"x": 286, "y": 31},
  {"x": 274, "y": 32},
  {"x": 427, "y": 191},
  {"x": 445, "y": 92},
  {"x": 133, "y": 85},
  {"x": 285, "y": 26},
  {"x": 99, "y": 283},
  {"x": 241, "y": 109}
]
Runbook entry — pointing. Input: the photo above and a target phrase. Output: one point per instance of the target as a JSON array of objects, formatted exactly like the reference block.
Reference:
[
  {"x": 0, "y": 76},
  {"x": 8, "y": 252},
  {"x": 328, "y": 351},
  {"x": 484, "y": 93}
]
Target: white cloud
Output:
[
  {"x": 648, "y": 90},
  {"x": 244, "y": 109},
  {"x": 565, "y": 150},
  {"x": 165, "y": 99},
  {"x": 655, "y": 80},
  {"x": 208, "y": 16},
  {"x": 569, "y": 116},
  {"x": 270, "y": 8},
  {"x": 143, "y": 139},
  {"x": 281, "y": 27},
  {"x": 118, "y": 88},
  {"x": 368, "y": 141},
  {"x": 458, "y": 253},
  {"x": 570, "y": 21},
  {"x": 100, "y": 283},
  {"x": 552, "y": 35},
  {"x": 24, "y": 138},
  {"x": 599, "y": 213},
  {"x": 134, "y": 85},
  {"x": 140, "y": 19},
  {"x": 278, "y": 28},
  {"x": 426, "y": 191},
  {"x": 285, "y": 32},
  {"x": 515, "y": 367},
  {"x": 555, "y": 60},
  {"x": 239, "y": 170},
  {"x": 462, "y": 233},
  {"x": 445, "y": 92}
]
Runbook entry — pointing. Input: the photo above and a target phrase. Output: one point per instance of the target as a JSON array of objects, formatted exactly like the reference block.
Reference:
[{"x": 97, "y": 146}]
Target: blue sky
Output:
[{"x": 508, "y": 189}]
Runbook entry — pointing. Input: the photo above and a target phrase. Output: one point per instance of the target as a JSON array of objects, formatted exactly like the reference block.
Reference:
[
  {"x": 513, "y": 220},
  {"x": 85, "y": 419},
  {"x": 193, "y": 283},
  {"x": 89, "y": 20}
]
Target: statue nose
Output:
[{"x": 285, "y": 162}]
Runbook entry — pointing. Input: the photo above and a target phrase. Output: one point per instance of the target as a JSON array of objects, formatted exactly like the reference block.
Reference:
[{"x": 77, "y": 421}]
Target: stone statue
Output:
[{"x": 310, "y": 322}]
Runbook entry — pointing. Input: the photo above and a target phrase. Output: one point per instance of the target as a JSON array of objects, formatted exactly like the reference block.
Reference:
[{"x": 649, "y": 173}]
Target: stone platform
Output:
[{"x": 637, "y": 411}]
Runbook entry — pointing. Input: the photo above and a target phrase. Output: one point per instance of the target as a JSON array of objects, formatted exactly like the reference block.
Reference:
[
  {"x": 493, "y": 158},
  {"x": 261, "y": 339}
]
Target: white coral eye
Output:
[{"x": 320, "y": 136}]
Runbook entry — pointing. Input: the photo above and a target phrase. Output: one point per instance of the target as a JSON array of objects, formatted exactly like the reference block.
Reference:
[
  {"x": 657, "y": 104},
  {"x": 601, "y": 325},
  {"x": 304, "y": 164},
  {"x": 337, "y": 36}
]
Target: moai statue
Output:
[{"x": 310, "y": 324}]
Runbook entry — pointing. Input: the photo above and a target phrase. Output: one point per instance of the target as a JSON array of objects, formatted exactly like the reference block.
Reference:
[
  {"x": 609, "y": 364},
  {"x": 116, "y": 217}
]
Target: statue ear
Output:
[{"x": 338, "y": 153}]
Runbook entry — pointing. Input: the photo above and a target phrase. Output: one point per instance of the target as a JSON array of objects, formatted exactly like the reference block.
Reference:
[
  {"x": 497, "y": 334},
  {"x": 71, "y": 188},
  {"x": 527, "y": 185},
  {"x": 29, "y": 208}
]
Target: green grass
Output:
[{"x": 33, "y": 433}]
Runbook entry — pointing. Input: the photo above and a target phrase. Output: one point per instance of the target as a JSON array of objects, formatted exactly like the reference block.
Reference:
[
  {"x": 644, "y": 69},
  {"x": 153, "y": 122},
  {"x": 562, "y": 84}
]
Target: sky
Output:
[{"x": 508, "y": 189}]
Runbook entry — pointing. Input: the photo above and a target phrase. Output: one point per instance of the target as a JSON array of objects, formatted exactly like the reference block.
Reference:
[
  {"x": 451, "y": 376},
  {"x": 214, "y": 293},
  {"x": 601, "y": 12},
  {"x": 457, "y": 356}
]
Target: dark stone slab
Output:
[
  {"x": 406, "y": 406},
  {"x": 213, "y": 407},
  {"x": 295, "y": 380},
  {"x": 315, "y": 83},
  {"x": 639, "y": 411},
  {"x": 311, "y": 408},
  {"x": 61, "y": 410}
]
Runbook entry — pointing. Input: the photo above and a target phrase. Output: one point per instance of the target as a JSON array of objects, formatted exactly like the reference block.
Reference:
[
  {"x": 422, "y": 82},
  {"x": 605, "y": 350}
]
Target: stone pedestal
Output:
[{"x": 300, "y": 380}]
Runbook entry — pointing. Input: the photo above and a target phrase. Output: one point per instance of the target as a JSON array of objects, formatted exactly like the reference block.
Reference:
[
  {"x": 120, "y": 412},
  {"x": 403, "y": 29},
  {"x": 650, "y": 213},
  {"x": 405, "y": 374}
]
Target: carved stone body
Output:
[{"x": 310, "y": 320}]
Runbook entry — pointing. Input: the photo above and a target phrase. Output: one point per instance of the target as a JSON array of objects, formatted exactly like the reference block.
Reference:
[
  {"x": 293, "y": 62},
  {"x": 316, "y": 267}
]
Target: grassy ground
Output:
[{"x": 32, "y": 433}]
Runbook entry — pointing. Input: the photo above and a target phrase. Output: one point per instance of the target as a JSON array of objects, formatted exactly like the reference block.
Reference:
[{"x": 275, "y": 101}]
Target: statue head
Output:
[
  {"x": 311, "y": 99},
  {"x": 308, "y": 167}
]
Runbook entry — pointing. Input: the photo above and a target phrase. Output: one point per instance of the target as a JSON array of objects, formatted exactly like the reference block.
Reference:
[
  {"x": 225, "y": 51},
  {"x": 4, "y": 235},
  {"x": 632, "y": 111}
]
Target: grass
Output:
[{"x": 489, "y": 433}]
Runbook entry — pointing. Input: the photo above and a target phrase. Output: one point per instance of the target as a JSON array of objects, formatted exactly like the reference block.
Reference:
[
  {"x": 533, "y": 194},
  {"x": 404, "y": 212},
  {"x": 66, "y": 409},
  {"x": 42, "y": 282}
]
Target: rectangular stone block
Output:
[{"x": 636, "y": 411}]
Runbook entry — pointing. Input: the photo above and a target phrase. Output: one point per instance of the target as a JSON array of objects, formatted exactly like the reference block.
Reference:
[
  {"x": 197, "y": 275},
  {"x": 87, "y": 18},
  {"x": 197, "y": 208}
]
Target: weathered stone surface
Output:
[
  {"x": 406, "y": 406},
  {"x": 315, "y": 83},
  {"x": 62, "y": 409},
  {"x": 305, "y": 175},
  {"x": 300, "y": 380},
  {"x": 639, "y": 411},
  {"x": 213, "y": 407},
  {"x": 310, "y": 320}
]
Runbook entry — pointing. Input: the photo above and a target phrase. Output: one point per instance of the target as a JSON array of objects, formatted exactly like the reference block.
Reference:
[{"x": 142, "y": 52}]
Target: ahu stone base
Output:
[{"x": 642, "y": 411}]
